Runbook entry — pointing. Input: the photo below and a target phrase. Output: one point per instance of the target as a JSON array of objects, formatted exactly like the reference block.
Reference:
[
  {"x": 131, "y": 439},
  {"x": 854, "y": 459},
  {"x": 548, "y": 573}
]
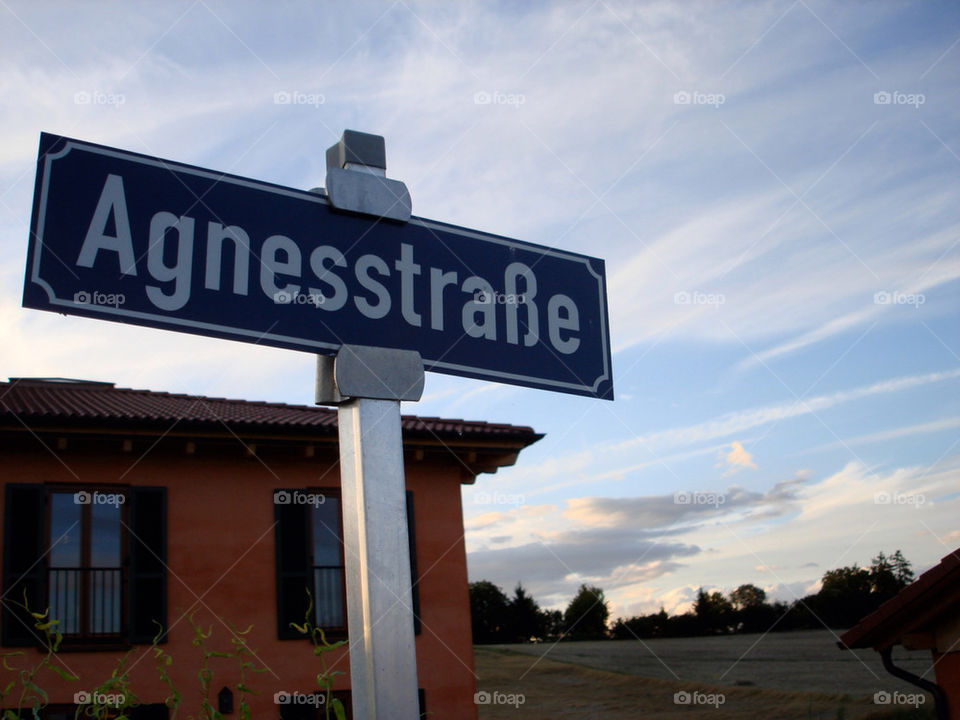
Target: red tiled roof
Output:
[
  {"x": 38, "y": 402},
  {"x": 935, "y": 591}
]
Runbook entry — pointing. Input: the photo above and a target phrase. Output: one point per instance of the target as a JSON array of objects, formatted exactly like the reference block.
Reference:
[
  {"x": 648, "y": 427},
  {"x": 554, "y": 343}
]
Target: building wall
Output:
[
  {"x": 221, "y": 558},
  {"x": 947, "y": 669}
]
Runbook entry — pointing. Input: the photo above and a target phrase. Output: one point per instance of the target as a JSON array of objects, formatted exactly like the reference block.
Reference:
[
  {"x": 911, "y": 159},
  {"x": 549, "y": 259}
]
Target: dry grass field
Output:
[{"x": 796, "y": 675}]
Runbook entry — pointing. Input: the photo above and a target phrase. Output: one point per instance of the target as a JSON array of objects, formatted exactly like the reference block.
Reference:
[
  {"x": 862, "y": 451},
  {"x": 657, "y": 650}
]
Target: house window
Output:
[
  {"x": 329, "y": 597},
  {"x": 85, "y": 579},
  {"x": 95, "y": 557},
  {"x": 309, "y": 556}
]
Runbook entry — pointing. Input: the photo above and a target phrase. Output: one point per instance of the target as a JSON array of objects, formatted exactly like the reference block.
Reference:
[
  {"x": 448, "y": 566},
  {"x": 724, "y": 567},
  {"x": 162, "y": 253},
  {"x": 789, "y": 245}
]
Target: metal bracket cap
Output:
[
  {"x": 357, "y": 182},
  {"x": 361, "y": 371},
  {"x": 360, "y": 148}
]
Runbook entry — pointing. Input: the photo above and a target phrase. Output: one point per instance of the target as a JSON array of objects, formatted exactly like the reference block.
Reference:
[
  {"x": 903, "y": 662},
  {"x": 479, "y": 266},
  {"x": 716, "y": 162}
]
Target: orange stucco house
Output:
[{"x": 131, "y": 514}]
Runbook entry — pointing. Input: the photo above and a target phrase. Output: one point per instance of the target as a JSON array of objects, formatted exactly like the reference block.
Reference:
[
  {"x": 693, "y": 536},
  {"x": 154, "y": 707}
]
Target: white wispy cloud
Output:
[
  {"x": 892, "y": 434},
  {"x": 743, "y": 420}
]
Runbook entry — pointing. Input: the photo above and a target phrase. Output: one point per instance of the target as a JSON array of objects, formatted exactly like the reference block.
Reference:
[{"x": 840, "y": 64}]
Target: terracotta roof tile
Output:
[{"x": 53, "y": 401}]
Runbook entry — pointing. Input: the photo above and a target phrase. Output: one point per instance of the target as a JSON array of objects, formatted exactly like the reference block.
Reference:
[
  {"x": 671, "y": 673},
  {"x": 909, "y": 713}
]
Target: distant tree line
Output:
[
  {"x": 495, "y": 618},
  {"x": 847, "y": 594}
]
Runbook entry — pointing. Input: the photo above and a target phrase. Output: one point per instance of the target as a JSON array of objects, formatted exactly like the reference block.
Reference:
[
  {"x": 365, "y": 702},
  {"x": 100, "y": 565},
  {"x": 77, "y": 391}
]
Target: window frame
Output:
[
  {"x": 85, "y": 638},
  {"x": 334, "y": 632},
  {"x": 286, "y": 523},
  {"x": 26, "y": 564}
]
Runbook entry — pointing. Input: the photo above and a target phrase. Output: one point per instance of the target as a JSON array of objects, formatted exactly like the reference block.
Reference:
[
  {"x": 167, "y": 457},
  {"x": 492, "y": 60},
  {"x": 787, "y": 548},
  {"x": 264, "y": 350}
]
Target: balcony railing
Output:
[
  {"x": 89, "y": 602},
  {"x": 329, "y": 596}
]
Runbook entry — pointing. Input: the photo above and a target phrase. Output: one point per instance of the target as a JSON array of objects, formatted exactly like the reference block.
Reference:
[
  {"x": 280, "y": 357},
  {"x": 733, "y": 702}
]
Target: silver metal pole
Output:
[
  {"x": 383, "y": 662},
  {"x": 368, "y": 385}
]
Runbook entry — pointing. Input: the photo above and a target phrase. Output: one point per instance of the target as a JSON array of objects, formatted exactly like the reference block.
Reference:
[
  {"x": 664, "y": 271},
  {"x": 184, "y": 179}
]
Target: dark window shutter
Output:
[
  {"x": 156, "y": 711},
  {"x": 414, "y": 575},
  {"x": 298, "y": 712},
  {"x": 24, "y": 570},
  {"x": 148, "y": 563},
  {"x": 292, "y": 533}
]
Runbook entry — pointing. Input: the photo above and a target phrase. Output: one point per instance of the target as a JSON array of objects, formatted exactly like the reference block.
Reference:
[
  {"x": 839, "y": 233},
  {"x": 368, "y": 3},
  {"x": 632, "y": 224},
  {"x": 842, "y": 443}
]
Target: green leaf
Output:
[
  {"x": 338, "y": 709},
  {"x": 64, "y": 674},
  {"x": 38, "y": 690},
  {"x": 7, "y": 666}
]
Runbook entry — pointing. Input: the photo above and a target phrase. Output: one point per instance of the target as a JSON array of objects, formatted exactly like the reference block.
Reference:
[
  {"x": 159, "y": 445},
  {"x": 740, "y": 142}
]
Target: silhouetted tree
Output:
[
  {"x": 845, "y": 596},
  {"x": 846, "y": 581},
  {"x": 751, "y": 613},
  {"x": 489, "y": 613},
  {"x": 883, "y": 582},
  {"x": 747, "y": 596},
  {"x": 902, "y": 570},
  {"x": 714, "y": 612},
  {"x": 552, "y": 623},
  {"x": 526, "y": 620},
  {"x": 586, "y": 615}
]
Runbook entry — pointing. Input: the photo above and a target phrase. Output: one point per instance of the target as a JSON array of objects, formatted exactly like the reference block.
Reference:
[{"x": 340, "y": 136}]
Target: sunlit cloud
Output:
[{"x": 737, "y": 459}]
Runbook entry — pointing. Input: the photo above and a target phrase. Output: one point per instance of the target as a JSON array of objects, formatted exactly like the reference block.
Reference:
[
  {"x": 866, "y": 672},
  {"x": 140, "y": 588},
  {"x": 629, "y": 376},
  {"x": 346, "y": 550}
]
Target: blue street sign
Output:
[{"x": 126, "y": 237}]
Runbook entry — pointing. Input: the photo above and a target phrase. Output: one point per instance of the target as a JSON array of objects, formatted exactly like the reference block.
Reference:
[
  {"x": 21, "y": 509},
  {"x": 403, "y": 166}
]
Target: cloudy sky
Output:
[{"x": 773, "y": 188}]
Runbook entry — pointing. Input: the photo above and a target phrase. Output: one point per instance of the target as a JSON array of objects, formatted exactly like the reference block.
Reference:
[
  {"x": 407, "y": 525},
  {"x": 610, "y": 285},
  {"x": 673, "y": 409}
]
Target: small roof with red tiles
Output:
[
  {"x": 44, "y": 402},
  {"x": 914, "y": 609}
]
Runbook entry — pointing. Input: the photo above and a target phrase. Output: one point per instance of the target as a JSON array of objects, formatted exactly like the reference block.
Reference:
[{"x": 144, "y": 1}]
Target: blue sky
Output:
[{"x": 781, "y": 247}]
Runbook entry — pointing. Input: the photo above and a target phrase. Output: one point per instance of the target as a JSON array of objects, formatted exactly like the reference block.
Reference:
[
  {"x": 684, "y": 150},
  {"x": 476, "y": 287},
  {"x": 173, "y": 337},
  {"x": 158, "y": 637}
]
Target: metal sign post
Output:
[{"x": 368, "y": 384}]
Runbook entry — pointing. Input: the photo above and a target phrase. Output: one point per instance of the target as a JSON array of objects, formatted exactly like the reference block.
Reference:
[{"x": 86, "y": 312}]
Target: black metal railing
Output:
[
  {"x": 329, "y": 596},
  {"x": 89, "y": 602}
]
